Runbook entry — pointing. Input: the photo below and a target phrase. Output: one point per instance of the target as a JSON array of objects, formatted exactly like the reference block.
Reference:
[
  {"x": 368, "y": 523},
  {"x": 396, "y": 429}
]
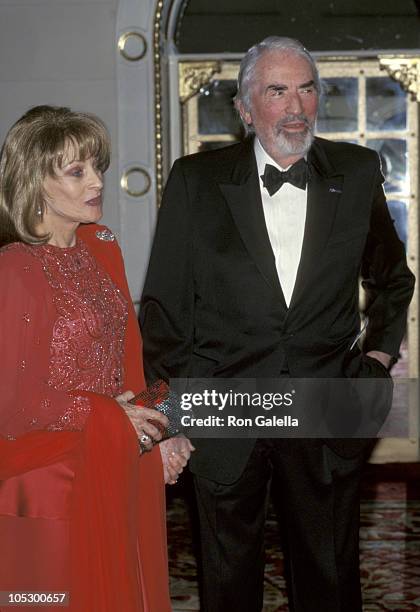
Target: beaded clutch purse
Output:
[{"x": 159, "y": 397}]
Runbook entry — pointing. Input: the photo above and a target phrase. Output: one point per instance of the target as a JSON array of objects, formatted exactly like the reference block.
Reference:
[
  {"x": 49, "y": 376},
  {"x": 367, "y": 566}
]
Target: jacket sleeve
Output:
[
  {"x": 167, "y": 306},
  {"x": 386, "y": 278}
]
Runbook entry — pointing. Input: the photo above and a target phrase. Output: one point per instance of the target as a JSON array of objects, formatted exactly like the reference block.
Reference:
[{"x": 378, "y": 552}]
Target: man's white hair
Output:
[{"x": 247, "y": 68}]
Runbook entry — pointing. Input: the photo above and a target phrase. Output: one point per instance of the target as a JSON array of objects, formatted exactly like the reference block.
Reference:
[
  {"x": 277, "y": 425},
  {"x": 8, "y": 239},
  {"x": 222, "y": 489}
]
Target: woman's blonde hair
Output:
[{"x": 35, "y": 147}]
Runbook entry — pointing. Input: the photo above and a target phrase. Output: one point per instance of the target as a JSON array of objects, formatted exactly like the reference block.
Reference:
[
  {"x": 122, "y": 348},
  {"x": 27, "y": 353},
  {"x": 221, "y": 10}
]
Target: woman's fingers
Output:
[
  {"x": 125, "y": 397},
  {"x": 178, "y": 462},
  {"x": 186, "y": 448},
  {"x": 170, "y": 473},
  {"x": 151, "y": 414},
  {"x": 140, "y": 419},
  {"x": 181, "y": 445},
  {"x": 147, "y": 428},
  {"x": 149, "y": 421},
  {"x": 146, "y": 442},
  {"x": 173, "y": 475},
  {"x": 173, "y": 461}
]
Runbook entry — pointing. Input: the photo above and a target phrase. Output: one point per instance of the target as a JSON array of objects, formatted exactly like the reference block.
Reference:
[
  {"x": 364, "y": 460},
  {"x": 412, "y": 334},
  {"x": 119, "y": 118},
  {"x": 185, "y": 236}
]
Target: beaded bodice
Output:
[{"x": 88, "y": 334}]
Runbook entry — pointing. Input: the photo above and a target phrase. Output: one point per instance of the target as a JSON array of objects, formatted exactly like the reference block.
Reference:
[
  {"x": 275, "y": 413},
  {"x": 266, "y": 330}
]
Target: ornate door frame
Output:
[{"x": 142, "y": 51}]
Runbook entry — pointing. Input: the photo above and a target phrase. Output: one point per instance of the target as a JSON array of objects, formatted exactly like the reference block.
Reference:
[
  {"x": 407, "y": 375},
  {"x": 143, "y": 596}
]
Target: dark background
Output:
[{"x": 212, "y": 26}]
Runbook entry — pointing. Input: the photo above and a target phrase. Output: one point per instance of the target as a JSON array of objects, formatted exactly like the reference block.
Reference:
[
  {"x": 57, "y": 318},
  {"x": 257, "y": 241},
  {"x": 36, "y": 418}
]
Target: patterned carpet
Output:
[{"x": 390, "y": 546}]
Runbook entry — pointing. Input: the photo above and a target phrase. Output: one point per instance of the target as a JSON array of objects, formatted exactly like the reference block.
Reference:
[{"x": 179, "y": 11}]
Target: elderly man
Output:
[{"x": 254, "y": 273}]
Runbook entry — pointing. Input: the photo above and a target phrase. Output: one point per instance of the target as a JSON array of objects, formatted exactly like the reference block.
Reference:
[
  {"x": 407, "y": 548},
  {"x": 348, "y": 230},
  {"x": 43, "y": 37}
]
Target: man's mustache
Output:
[{"x": 292, "y": 119}]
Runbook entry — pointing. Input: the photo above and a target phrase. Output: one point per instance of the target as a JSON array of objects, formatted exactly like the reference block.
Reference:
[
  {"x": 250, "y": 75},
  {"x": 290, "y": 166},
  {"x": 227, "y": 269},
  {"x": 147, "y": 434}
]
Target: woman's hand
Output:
[
  {"x": 140, "y": 419},
  {"x": 175, "y": 454}
]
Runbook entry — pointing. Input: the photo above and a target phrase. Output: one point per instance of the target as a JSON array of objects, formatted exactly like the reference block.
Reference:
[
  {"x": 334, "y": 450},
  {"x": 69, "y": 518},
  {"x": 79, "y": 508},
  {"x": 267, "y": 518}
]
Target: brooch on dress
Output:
[{"x": 106, "y": 235}]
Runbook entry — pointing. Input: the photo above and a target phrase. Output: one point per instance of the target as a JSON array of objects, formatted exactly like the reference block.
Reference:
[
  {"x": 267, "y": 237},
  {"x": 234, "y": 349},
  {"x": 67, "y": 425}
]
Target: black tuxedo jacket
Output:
[{"x": 212, "y": 302}]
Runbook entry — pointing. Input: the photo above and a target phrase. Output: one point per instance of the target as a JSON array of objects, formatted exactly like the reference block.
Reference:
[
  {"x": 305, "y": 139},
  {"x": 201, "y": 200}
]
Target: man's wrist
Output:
[{"x": 385, "y": 359}]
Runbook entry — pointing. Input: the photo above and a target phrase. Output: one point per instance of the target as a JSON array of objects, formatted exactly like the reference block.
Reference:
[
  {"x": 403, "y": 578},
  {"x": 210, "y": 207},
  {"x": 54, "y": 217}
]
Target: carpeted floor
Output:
[{"x": 390, "y": 545}]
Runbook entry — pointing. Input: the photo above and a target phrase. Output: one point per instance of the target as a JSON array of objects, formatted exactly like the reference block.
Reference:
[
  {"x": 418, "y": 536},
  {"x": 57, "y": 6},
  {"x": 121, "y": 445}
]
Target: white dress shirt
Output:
[{"x": 285, "y": 215}]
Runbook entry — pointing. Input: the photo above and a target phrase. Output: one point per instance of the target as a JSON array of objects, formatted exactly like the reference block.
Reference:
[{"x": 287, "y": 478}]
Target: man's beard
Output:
[{"x": 294, "y": 143}]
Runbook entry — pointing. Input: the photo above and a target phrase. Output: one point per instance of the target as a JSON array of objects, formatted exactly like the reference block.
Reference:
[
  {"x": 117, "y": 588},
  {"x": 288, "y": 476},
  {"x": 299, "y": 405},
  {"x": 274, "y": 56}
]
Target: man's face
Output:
[{"x": 284, "y": 104}]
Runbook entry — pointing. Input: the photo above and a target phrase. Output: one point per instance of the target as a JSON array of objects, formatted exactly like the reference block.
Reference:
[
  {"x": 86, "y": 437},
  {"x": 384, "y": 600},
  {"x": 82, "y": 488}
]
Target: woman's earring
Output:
[{"x": 39, "y": 211}]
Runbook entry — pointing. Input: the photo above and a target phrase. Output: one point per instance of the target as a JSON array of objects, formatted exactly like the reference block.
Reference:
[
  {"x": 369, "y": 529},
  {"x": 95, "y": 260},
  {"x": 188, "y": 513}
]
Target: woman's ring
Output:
[{"x": 142, "y": 442}]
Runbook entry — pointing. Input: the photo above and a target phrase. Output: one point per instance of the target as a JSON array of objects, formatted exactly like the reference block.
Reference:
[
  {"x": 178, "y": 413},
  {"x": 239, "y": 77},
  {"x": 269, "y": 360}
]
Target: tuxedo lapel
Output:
[
  {"x": 324, "y": 192},
  {"x": 242, "y": 193}
]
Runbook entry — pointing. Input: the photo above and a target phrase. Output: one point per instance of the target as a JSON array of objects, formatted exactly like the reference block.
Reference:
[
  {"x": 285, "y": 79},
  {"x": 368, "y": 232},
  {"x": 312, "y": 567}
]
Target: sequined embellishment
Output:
[
  {"x": 87, "y": 344},
  {"x": 74, "y": 418},
  {"x": 106, "y": 235},
  {"x": 87, "y": 334},
  {"x": 45, "y": 403}
]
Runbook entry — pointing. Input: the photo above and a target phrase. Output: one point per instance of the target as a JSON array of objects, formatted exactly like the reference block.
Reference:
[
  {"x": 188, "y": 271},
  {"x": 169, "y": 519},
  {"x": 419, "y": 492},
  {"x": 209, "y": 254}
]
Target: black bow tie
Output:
[{"x": 297, "y": 175}]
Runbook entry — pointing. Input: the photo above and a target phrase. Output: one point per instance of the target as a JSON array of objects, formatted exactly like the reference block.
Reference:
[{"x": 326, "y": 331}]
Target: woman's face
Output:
[{"x": 73, "y": 196}]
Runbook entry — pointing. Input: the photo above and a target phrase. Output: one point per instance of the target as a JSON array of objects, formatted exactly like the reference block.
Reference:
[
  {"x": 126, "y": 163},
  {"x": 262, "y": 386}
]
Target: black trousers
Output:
[{"x": 319, "y": 502}]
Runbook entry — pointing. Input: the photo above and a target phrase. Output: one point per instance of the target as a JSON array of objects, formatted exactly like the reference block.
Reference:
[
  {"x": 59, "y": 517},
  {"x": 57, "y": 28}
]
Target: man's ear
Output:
[{"x": 246, "y": 115}]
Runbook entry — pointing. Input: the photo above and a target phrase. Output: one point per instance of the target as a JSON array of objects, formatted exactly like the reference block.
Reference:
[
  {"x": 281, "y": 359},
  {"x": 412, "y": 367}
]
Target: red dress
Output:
[{"x": 80, "y": 510}]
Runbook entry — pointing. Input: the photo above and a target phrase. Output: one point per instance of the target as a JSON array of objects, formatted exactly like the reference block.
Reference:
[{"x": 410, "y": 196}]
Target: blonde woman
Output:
[{"x": 80, "y": 510}]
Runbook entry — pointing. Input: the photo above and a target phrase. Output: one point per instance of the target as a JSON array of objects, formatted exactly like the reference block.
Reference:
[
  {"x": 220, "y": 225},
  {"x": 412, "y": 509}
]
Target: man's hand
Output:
[
  {"x": 383, "y": 358},
  {"x": 175, "y": 454}
]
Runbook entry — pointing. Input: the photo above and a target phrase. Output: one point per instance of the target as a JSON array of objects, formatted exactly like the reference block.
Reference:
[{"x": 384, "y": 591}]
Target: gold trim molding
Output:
[
  {"x": 405, "y": 70},
  {"x": 193, "y": 75},
  {"x": 157, "y": 39}
]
